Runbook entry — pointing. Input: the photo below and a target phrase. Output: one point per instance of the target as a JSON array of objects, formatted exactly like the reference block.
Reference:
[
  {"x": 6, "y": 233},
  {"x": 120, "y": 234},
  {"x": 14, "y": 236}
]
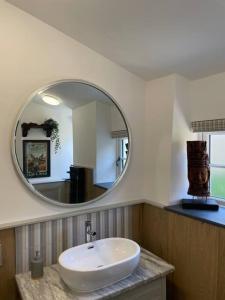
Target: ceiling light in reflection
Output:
[{"x": 51, "y": 100}]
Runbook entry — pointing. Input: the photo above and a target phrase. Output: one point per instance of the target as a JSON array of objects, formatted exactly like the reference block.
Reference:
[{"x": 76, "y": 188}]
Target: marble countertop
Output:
[{"x": 51, "y": 287}]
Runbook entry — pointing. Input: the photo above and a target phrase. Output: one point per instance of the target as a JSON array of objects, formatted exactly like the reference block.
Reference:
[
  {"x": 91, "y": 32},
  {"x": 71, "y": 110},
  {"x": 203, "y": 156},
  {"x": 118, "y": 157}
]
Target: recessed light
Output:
[{"x": 51, "y": 100}]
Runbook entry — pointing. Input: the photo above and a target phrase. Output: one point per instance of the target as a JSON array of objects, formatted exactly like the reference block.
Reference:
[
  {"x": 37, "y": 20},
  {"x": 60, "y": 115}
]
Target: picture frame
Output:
[{"x": 36, "y": 158}]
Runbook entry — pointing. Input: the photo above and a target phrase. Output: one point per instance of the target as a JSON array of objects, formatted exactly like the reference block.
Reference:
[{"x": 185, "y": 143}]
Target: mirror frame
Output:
[{"x": 13, "y": 147}]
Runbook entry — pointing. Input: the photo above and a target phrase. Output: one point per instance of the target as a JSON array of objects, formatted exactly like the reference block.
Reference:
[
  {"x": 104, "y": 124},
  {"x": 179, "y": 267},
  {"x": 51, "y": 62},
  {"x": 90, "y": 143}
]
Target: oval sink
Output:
[{"x": 92, "y": 266}]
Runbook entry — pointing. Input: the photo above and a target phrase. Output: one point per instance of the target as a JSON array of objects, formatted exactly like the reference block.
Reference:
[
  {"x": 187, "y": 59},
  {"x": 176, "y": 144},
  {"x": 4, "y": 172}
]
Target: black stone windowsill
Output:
[{"x": 212, "y": 217}]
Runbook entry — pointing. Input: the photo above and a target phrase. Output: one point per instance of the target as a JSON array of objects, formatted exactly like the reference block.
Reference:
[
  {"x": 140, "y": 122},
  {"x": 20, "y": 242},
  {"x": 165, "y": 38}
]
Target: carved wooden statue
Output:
[{"x": 198, "y": 169}]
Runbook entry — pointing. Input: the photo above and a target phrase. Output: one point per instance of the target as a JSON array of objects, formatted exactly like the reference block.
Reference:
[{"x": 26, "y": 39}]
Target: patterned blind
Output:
[
  {"x": 119, "y": 134},
  {"x": 208, "y": 125}
]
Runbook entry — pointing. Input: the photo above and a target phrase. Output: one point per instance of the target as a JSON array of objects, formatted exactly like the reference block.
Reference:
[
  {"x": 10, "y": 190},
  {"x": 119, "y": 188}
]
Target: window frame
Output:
[
  {"x": 206, "y": 136},
  {"x": 121, "y": 161}
]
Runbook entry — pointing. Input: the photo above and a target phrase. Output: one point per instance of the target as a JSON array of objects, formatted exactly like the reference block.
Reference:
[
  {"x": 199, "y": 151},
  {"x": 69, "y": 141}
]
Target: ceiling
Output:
[
  {"x": 73, "y": 94},
  {"x": 151, "y": 38}
]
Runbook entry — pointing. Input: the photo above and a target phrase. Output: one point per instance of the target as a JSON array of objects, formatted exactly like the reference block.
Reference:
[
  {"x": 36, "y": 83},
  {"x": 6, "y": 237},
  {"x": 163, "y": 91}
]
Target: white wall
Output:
[
  {"x": 60, "y": 161},
  {"x": 158, "y": 136},
  {"x": 207, "y": 98},
  {"x": 84, "y": 141},
  {"x": 33, "y": 54},
  {"x": 167, "y": 130},
  {"x": 93, "y": 145},
  {"x": 181, "y": 133},
  {"x": 105, "y": 145},
  {"x": 172, "y": 103},
  {"x": 116, "y": 119}
]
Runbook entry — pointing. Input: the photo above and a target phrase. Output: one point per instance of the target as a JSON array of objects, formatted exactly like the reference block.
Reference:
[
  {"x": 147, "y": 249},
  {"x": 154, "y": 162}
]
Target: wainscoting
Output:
[
  {"x": 52, "y": 237},
  {"x": 8, "y": 289},
  {"x": 196, "y": 249}
]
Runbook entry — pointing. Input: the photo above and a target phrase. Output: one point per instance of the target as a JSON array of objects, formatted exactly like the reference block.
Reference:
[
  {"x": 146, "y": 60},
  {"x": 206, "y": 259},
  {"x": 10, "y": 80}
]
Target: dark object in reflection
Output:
[
  {"x": 27, "y": 126},
  {"x": 77, "y": 184},
  {"x": 79, "y": 188}
]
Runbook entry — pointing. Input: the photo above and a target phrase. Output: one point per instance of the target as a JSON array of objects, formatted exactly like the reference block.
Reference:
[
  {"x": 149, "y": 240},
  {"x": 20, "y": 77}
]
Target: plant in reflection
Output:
[{"x": 54, "y": 125}]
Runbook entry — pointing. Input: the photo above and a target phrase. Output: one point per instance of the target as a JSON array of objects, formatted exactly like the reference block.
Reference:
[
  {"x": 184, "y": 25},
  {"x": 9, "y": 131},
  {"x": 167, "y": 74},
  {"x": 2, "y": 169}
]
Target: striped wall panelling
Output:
[{"x": 53, "y": 237}]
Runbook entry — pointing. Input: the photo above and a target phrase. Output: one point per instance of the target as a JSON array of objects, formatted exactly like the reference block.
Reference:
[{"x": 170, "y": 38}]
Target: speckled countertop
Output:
[{"x": 51, "y": 287}]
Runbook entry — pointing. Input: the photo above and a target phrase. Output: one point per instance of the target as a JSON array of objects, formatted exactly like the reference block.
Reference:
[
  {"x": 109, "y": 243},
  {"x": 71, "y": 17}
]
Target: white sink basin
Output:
[{"x": 92, "y": 266}]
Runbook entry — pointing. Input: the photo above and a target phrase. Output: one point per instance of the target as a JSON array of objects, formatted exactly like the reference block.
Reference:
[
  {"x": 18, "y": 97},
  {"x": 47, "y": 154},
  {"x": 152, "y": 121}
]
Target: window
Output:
[
  {"x": 216, "y": 149},
  {"x": 122, "y": 151}
]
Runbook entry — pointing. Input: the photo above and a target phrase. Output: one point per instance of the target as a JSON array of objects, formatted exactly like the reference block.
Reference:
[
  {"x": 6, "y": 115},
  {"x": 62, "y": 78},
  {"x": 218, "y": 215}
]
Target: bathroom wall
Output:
[
  {"x": 54, "y": 235},
  {"x": 51, "y": 238},
  {"x": 105, "y": 145},
  {"x": 181, "y": 133},
  {"x": 167, "y": 123},
  {"x": 84, "y": 128},
  {"x": 32, "y": 55},
  {"x": 94, "y": 146},
  {"x": 116, "y": 120},
  {"x": 195, "y": 248},
  {"x": 207, "y": 98},
  {"x": 8, "y": 269},
  {"x": 158, "y": 136}
]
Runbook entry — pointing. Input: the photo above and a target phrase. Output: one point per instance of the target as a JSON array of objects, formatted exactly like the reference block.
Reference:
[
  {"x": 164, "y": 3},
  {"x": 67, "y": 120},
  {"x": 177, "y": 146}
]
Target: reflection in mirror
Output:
[{"x": 71, "y": 142}]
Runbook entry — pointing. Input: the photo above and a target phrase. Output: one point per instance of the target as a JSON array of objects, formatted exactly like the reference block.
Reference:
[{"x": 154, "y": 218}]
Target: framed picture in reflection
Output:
[{"x": 36, "y": 158}]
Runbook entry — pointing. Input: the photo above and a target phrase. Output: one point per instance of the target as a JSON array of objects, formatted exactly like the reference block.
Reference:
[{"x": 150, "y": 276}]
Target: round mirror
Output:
[{"x": 71, "y": 143}]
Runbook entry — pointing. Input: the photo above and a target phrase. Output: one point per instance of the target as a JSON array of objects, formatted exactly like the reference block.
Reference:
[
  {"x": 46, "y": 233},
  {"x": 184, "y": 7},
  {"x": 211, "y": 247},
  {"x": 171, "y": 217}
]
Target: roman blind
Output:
[
  {"x": 119, "y": 134},
  {"x": 208, "y": 125}
]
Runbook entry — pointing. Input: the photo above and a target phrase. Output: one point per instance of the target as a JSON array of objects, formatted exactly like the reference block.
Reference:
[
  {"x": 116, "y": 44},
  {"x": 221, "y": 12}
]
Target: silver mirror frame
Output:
[{"x": 13, "y": 143}]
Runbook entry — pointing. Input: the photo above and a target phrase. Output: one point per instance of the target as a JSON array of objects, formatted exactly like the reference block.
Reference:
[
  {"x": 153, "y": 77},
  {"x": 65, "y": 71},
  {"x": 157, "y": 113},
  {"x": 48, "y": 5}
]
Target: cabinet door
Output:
[{"x": 155, "y": 290}]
